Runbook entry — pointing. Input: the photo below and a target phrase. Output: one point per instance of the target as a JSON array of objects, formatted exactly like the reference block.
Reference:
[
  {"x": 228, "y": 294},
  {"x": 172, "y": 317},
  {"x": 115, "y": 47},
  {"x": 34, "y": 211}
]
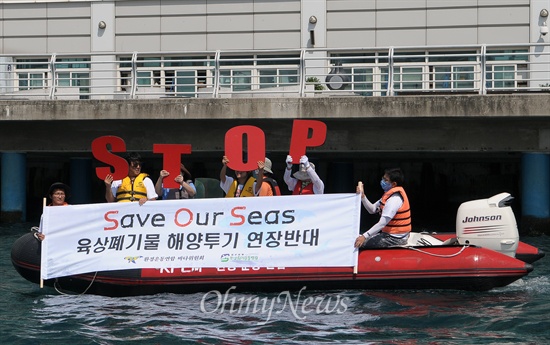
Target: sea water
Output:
[{"x": 515, "y": 314}]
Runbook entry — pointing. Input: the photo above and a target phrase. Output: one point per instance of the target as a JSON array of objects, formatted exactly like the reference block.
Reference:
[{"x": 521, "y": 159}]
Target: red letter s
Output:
[
  {"x": 101, "y": 153},
  {"x": 114, "y": 221},
  {"x": 241, "y": 217}
]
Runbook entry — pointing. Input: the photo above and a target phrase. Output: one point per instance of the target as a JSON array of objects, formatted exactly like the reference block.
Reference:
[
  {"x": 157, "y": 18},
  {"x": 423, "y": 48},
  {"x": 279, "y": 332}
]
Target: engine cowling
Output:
[{"x": 488, "y": 223}]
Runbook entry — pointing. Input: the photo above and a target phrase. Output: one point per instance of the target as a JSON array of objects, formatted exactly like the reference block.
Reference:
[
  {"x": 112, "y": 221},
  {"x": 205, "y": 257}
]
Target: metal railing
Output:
[{"x": 391, "y": 71}]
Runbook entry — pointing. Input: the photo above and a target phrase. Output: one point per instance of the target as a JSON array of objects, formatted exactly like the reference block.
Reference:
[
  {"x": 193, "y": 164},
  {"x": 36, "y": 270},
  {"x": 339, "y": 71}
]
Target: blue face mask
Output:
[{"x": 386, "y": 186}]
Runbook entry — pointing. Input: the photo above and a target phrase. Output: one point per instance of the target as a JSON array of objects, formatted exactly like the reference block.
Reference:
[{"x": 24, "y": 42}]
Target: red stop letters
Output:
[{"x": 239, "y": 139}]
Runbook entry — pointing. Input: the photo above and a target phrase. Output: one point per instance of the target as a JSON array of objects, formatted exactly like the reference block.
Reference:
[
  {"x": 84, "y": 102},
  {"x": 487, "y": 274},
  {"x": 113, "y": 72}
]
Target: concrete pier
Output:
[
  {"x": 453, "y": 148},
  {"x": 13, "y": 187},
  {"x": 535, "y": 183}
]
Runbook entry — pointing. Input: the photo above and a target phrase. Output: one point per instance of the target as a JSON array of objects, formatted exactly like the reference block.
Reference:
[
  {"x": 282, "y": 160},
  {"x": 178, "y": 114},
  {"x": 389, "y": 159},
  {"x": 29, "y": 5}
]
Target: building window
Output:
[
  {"x": 236, "y": 80},
  {"x": 31, "y": 74},
  {"x": 73, "y": 73}
]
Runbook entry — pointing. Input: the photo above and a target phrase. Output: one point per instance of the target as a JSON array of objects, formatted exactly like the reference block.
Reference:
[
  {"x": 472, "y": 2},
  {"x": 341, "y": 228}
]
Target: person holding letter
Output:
[
  {"x": 305, "y": 180},
  {"x": 137, "y": 186},
  {"x": 243, "y": 185},
  {"x": 268, "y": 186},
  {"x": 187, "y": 189}
]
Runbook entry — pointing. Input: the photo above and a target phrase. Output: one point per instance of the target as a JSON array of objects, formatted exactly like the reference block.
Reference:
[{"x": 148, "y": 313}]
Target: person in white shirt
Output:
[
  {"x": 394, "y": 225},
  {"x": 305, "y": 180}
]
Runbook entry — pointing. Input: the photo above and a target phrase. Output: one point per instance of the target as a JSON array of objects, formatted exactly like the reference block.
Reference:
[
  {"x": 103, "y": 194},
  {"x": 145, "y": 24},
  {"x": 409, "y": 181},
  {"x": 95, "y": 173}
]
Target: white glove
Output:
[
  {"x": 304, "y": 161},
  {"x": 289, "y": 161}
]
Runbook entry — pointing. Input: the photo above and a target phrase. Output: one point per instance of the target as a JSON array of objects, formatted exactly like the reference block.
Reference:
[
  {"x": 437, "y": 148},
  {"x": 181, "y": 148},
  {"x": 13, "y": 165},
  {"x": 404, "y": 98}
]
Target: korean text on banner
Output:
[{"x": 283, "y": 231}]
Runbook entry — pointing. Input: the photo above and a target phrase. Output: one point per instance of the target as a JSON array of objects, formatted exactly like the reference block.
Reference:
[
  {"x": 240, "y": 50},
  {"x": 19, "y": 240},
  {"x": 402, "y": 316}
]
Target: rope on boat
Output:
[
  {"x": 56, "y": 284},
  {"x": 35, "y": 230},
  {"x": 439, "y": 255}
]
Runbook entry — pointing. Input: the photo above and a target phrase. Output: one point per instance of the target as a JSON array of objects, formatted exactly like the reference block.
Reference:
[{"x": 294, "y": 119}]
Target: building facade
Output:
[{"x": 159, "y": 48}]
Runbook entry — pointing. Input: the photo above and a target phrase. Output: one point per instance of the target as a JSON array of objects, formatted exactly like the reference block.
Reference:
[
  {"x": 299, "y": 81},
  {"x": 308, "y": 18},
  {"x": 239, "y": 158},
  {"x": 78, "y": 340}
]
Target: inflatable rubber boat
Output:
[{"x": 483, "y": 254}]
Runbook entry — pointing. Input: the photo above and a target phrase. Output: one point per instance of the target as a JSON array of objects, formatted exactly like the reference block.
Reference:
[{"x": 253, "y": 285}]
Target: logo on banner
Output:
[{"x": 132, "y": 259}]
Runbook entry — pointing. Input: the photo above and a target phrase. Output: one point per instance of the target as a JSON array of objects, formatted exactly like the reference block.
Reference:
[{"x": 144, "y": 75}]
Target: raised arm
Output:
[
  {"x": 289, "y": 180},
  {"x": 260, "y": 178},
  {"x": 369, "y": 206},
  {"x": 318, "y": 185},
  {"x": 223, "y": 171},
  {"x": 108, "y": 192},
  {"x": 187, "y": 185},
  {"x": 158, "y": 185}
]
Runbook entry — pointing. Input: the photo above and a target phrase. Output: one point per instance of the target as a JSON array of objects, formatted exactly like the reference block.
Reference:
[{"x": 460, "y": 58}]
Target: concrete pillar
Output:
[
  {"x": 13, "y": 183},
  {"x": 535, "y": 186},
  {"x": 80, "y": 181}
]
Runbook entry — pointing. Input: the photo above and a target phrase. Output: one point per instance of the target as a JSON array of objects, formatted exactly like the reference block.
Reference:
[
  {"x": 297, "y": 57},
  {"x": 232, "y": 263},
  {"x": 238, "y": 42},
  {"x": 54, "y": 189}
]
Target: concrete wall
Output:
[{"x": 468, "y": 123}]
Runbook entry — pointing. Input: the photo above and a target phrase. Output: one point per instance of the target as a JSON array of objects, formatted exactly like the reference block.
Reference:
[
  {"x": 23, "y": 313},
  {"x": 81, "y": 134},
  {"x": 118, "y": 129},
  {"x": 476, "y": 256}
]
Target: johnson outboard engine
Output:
[{"x": 488, "y": 223}]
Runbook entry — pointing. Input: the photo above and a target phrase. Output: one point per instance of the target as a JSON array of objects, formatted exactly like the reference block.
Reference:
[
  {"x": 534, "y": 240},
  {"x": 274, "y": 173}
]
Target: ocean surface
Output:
[{"x": 516, "y": 314}]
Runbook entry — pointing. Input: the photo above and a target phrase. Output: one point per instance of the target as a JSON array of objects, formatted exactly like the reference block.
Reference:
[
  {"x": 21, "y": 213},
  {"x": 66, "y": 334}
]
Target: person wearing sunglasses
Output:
[{"x": 137, "y": 186}]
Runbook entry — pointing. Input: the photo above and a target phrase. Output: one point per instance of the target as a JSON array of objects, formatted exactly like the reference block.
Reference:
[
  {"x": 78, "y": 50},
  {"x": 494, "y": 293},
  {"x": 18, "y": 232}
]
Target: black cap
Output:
[{"x": 60, "y": 185}]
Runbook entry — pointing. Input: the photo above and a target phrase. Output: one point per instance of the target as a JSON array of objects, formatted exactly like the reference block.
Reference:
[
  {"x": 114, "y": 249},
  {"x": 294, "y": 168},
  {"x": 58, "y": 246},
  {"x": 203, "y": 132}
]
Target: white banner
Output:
[{"x": 282, "y": 231}]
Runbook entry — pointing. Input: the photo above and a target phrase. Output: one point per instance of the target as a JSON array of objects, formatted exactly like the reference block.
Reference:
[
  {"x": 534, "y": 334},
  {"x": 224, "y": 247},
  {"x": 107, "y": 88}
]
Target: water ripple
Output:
[{"x": 515, "y": 314}]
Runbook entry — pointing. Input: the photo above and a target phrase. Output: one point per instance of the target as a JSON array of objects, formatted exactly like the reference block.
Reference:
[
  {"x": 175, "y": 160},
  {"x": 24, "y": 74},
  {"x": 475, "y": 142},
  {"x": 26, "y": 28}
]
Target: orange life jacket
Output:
[
  {"x": 401, "y": 222},
  {"x": 274, "y": 186}
]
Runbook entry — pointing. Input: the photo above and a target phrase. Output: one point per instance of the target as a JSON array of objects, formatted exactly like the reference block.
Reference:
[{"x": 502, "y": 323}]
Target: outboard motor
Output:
[{"x": 488, "y": 223}]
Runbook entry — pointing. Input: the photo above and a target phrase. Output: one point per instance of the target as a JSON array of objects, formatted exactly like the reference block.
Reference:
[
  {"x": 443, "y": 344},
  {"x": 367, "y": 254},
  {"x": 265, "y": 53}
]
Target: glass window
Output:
[
  {"x": 409, "y": 57},
  {"x": 185, "y": 82},
  {"x": 124, "y": 64},
  {"x": 242, "y": 80},
  {"x": 148, "y": 62},
  {"x": 29, "y": 81},
  {"x": 278, "y": 60},
  {"x": 442, "y": 77},
  {"x": 464, "y": 77},
  {"x": 64, "y": 79},
  {"x": 508, "y": 55},
  {"x": 187, "y": 61},
  {"x": 82, "y": 81},
  {"x": 31, "y": 64},
  {"x": 353, "y": 58},
  {"x": 408, "y": 78},
  {"x": 268, "y": 78},
  {"x": 72, "y": 63},
  {"x": 236, "y": 60},
  {"x": 236, "y": 80},
  {"x": 501, "y": 77},
  {"x": 452, "y": 56},
  {"x": 144, "y": 78},
  {"x": 363, "y": 80},
  {"x": 288, "y": 77}
]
